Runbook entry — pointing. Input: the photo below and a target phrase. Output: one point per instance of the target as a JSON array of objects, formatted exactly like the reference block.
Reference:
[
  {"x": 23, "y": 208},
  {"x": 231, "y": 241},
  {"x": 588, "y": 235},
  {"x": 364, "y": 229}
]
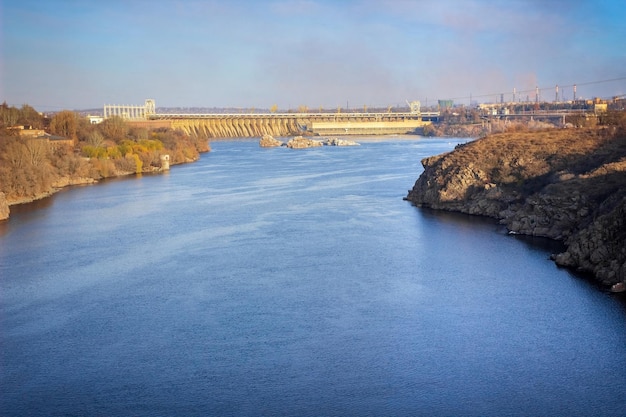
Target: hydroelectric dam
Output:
[{"x": 229, "y": 125}]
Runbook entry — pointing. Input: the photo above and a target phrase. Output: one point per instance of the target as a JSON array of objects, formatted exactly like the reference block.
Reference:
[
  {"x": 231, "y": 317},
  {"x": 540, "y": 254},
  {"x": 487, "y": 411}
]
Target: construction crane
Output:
[{"x": 415, "y": 106}]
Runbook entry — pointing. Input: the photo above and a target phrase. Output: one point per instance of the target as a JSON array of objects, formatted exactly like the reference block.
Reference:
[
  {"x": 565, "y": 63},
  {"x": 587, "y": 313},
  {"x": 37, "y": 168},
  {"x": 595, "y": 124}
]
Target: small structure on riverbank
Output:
[
  {"x": 165, "y": 162},
  {"x": 4, "y": 207}
]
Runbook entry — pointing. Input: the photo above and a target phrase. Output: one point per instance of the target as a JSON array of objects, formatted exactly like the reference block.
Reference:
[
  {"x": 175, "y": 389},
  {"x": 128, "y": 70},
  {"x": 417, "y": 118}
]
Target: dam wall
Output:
[
  {"x": 227, "y": 127},
  {"x": 291, "y": 124},
  {"x": 398, "y": 127},
  {"x": 239, "y": 127}
]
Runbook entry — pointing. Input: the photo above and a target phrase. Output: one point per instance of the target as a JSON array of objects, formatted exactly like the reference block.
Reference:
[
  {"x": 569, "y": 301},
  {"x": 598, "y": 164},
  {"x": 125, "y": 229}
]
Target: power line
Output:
[{"x": 518, "y": 92}]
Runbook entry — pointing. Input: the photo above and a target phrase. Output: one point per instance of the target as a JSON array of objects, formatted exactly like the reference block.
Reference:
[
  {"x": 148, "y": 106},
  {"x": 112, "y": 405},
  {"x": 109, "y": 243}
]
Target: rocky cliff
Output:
[{"x": 567, "y": 184}]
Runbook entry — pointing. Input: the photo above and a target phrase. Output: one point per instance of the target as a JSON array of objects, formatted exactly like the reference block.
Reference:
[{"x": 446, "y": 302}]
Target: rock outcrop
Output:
[
  {"x": 339, "y": 142},
  {"x": 568, "y": 185},
  {"x": 4, "y": 207},
  {"x": 268, "y": 141},
  {"x": 300, "y": 142}
]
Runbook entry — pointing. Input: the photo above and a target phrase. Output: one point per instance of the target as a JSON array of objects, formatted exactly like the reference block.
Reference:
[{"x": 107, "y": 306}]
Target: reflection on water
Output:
[{"x": 284, "y": 282}]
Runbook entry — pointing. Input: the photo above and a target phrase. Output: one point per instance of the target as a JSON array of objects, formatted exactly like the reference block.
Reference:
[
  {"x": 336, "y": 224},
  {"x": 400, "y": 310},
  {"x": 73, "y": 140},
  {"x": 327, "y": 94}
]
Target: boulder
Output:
[
  {"x": 339, "y": 142},
  {"x": 300, "y": 142},
  {"x": 268, "y": 141}
]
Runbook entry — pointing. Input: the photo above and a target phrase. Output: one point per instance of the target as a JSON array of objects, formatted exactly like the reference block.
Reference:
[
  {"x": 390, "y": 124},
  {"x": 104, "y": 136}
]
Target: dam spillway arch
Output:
[{"x": 236, "y": 127}]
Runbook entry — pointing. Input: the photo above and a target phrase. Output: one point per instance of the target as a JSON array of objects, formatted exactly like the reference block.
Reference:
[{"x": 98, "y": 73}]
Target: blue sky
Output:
[{"x": 72, "y": 54}]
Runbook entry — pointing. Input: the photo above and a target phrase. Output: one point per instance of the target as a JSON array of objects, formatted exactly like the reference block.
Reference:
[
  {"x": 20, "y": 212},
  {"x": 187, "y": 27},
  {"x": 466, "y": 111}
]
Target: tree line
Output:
[{"x": 34, "y": 166}]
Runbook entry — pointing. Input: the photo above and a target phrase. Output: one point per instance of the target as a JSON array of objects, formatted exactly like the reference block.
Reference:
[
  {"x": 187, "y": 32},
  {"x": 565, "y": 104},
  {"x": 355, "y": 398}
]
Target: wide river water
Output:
[{"x": 298, "y": 283}]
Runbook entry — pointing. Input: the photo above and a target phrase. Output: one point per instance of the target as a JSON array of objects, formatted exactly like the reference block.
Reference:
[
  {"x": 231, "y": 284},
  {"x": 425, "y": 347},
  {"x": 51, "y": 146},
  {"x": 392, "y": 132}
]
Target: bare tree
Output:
[
  {"x": 64, "y": 124},
  {"x": 95, "y": 139},
  {"x": 114, "y": 128},
  {"x": 31, "y": 117},
  {"x": 10, "y": 116},
  {"x": 37, "y": 151},
  {"x": 13, "y": 152}
]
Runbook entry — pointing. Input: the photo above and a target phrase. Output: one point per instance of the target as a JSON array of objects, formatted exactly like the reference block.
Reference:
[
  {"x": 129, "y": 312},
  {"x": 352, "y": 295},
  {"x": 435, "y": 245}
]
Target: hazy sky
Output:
[{"x": 78, "y": 54}]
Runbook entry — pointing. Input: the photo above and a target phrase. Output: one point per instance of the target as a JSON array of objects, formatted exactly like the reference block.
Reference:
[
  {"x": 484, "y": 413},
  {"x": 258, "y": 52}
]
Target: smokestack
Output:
[{"x": 556, "y": 94}]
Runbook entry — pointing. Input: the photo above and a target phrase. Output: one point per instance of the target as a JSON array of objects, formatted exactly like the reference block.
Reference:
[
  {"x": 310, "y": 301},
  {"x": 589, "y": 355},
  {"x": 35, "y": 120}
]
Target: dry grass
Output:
[{"x": 529, "y": 160}]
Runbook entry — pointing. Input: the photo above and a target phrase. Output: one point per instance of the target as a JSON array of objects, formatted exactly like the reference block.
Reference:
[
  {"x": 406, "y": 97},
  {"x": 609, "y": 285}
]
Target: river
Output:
[{"x": 293, "y": 282}]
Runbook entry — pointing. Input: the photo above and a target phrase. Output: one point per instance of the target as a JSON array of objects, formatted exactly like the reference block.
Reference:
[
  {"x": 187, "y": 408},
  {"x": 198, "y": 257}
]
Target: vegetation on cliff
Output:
[
  {"x": 565, "y": 184},
  {"x": 66, "y": 149}
]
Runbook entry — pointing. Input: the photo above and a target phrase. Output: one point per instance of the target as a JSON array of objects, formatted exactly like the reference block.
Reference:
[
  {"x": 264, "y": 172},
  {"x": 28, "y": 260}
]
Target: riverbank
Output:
[
  {"x": 41, "y": 156},
  {"x": 63, "y": 181},
  {"x": 564, "y": 184}
]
